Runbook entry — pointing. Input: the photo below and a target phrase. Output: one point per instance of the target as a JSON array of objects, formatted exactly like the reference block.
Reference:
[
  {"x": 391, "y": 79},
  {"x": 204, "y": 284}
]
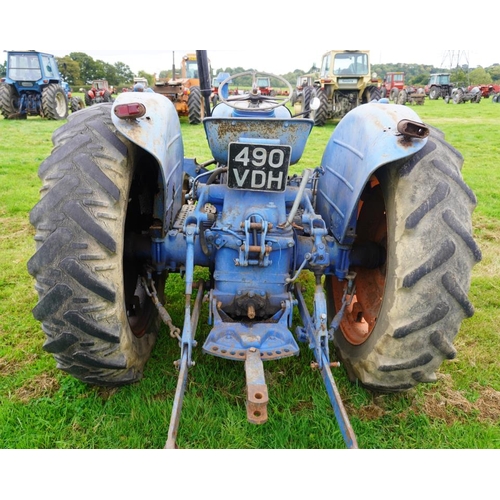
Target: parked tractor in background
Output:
[
  {"x": 304, "y": 81},
  {"x": 395, "y": 87},
  {"x": 411, "y": 95},
  {"x": 486, "y": 90},
  {"x": 345, "y": 81},
  {"x": 439, "y": 86},
  {"x": 393, "y": 83},
  {"x": 32, "y": 86},
  {"x": 98, "y": 93},
  {"x": 381, "y": 228},
  {"x": 184, "y": 90},
  {"x": 264, "y": 86},
  {"x": 462, "y": 94}
]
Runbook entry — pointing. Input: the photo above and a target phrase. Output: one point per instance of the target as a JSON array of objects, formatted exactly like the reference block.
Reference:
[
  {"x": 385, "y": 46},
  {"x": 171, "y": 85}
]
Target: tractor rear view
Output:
[
  {"x": 184, "y": 89},
  {"x": 382, "y": 224},
  {"x": 32, "y": 87},
  {"x": 100, "y": 91}
]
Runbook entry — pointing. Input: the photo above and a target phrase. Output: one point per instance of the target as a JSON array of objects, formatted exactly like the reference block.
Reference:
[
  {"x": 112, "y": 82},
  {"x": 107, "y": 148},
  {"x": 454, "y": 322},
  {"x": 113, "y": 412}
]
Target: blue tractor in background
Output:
[
  {"x": 33, "y": 86},
  {"x": 382, "y": 224}
]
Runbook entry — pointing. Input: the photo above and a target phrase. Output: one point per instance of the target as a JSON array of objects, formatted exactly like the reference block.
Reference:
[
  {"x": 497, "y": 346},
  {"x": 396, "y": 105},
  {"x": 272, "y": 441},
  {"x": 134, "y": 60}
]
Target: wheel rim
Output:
[
  {"x": 139, "y": 306},
  {"x": 60, "y": 104},
  {"x": 361, "y": 315}
]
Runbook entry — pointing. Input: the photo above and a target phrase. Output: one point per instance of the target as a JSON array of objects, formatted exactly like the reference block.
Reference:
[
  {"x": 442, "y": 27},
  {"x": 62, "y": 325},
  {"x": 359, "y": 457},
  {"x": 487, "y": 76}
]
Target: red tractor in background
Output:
[
  {"x": 99, "y": 92},
  {"x": 486, "y": 90},
  {"x": 264, "y": 85},
  {"x": 392, "y": 84}
]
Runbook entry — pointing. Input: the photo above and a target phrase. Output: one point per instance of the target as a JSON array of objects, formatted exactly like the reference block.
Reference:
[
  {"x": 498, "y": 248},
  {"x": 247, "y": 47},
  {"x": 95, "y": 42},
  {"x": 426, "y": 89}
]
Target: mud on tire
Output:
[
  {"x": 405, "y": 314},
  {"x": 99, "y": 325}
]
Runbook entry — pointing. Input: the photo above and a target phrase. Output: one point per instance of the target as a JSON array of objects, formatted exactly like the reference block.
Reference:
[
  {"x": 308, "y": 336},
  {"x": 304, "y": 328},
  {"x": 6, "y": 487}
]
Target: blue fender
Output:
[
  {"x": 366, "y": 139},
  {"x": 159, "y": 133}
]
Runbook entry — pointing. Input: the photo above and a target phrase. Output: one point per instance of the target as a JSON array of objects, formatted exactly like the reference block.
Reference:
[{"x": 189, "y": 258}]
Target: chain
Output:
[{"x": 174, "y": 331}]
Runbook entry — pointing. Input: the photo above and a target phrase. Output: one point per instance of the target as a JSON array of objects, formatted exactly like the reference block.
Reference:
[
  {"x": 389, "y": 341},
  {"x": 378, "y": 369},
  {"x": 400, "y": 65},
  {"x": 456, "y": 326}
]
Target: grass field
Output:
[{"x": 41, "y": 407}]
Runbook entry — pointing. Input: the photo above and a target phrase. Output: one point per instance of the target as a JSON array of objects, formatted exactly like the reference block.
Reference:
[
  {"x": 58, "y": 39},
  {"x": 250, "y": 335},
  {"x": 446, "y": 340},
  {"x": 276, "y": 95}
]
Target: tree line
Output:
[{"x": 78, "y": 69}]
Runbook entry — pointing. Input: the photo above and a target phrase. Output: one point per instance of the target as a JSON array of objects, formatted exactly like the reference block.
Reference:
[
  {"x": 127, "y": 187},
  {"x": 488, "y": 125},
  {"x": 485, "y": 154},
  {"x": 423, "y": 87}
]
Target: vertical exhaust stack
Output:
[{"x": 204, "y": 74}]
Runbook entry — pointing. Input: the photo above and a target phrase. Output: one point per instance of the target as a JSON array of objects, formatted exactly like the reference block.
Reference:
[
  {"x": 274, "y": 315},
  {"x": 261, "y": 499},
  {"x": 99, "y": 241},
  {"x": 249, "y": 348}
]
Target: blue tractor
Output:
[
  {"x": 123, "y": 209},
  {"x": 32, "y": 87}
]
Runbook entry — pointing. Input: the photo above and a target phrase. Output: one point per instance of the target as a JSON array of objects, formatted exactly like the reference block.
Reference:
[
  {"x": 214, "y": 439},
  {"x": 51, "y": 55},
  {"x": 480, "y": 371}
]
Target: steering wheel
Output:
[{"x": 254, "y": 100}]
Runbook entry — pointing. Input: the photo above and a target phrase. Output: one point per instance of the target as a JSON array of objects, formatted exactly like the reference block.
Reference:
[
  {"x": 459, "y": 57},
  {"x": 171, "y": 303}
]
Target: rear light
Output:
[{"x": 130, "y": 110}]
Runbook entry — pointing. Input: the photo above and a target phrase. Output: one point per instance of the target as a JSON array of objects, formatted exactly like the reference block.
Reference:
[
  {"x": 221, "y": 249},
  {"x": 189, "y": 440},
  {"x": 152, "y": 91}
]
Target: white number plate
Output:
[{"x": 258, "y": 167}]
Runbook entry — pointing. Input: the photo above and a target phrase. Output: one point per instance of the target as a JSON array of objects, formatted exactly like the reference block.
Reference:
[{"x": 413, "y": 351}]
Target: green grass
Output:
[{"x": 41, "y": 407}]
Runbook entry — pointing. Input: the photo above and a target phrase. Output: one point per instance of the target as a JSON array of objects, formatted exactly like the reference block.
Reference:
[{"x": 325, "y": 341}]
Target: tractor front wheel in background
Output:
[
  {"x": 54, "y": 102},
  {"x": 76, "y": 104},
  {"x": 405, "y": 314},
  {"x": 195, "y": 106},
  {"x": 97, "y": 200}
]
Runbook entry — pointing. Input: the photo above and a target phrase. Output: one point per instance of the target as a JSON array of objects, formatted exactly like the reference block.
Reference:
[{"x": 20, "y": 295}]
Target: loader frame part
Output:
[{"x": 122, "y": 209}]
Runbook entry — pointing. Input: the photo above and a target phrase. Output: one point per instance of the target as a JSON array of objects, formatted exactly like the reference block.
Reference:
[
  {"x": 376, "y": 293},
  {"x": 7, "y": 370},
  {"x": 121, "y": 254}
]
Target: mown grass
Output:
[{"x": 41, "y": 407}]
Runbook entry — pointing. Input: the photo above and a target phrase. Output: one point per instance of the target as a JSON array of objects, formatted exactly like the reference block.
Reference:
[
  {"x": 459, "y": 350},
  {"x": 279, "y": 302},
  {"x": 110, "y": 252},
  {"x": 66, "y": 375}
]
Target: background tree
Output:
[
  {"x": 479, "y": 76},
  {"x": 88, "y": 69},
  {"x": 123, "y": 73},
  {"x": 149, "y": 77},
  {"x": 69, "y": 69},
  {"x": 494, "y": 71}
]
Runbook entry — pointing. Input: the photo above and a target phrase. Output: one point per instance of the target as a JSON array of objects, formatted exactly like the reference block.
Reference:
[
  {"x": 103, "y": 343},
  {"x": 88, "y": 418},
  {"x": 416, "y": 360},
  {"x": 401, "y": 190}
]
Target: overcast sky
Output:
[{"x": 273, "y": 36}]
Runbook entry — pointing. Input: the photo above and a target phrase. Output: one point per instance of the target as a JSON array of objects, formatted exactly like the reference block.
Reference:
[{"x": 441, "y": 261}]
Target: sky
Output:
[{"x": 273, "y": 37}]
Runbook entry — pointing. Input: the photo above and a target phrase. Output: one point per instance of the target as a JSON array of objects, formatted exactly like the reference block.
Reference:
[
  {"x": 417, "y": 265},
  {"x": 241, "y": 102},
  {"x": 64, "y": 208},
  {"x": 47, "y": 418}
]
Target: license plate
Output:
[{"x": 258, "y": 167}]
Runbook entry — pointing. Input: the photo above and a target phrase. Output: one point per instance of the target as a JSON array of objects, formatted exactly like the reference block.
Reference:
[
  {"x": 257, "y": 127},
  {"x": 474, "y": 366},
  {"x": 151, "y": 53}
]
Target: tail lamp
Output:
[{"x": 130, "y": 110}]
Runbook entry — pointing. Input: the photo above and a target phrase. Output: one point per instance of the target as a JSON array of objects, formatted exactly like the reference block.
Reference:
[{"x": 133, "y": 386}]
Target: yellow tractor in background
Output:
[
  {"x": 184, "y": 89},
  {"x": 345, "y": 81}
]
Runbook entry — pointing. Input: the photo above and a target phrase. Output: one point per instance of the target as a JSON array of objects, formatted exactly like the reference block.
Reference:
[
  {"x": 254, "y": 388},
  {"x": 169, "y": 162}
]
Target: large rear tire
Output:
[
  {"x": 405, "y": 314},
  {"x": 54, "y": 102},
  {"x": 97, "y": 199},
  {"x": 8, "y": 100},
  {"x": 320, "y": 115},
  {"x": 195, "y": 106}
]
